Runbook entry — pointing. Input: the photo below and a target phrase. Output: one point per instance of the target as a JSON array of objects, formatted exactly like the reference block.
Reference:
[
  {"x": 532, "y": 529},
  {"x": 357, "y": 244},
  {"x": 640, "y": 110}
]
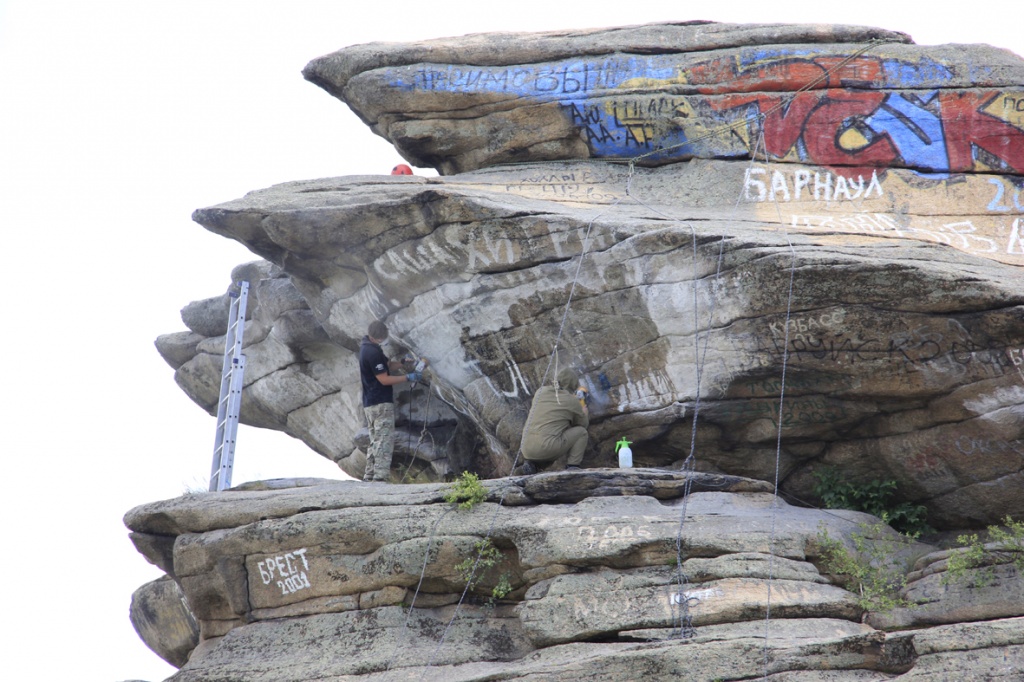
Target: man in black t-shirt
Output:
[{"x": 378, "y": 401}]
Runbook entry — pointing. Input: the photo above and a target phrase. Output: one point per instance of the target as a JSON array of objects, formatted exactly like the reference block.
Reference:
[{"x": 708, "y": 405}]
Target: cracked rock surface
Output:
[
  {"x": 769, "y": 251},
  {"x": 813, "y": 260},
  {"x": 362, "y": 581},
  {"x": 902, "y": 354}
]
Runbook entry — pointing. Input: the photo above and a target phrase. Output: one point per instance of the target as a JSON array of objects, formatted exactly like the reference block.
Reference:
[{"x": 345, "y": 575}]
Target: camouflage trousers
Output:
[{"x": 381, "y": 421}]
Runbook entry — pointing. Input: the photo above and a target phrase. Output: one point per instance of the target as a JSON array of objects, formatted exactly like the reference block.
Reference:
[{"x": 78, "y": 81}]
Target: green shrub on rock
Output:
[
  {"x": 466, "y": 492},
  {"x": 973, "y": 564},
  {"x": 871, "y": 571},
  {"x": 473, "y": 568},
  {"x": 873, "y": 497}
]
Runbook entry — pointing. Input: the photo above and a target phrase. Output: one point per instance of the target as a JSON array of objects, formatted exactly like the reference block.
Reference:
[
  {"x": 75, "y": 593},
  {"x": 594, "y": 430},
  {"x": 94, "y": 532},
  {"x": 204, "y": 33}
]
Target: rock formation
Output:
[
  {"x": 834, "y": 202},
  {"x": 609, "y": 576},
  {"x": 771, "y": 252}
]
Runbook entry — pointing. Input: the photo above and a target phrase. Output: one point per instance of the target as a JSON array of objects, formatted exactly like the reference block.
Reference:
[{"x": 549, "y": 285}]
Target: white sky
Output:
[{"x": 117, "y": 119}]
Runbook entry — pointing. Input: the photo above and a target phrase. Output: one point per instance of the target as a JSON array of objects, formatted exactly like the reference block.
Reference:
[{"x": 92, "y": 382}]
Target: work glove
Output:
[{"x": 413, "y": 377}]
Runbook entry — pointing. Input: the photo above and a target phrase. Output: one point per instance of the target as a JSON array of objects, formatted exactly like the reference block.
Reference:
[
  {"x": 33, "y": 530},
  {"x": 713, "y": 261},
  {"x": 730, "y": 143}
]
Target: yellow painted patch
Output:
[
  {"x": 697, "y": 129},
  {"x": 792, "y": 156},
  {"x": 1009, "y": 106},
  {"x": 981, "y": 167},
  {"x": 656, "y": 84},
  {"x": 852, "y": 140},
  {"x": 645, "y": 128}
]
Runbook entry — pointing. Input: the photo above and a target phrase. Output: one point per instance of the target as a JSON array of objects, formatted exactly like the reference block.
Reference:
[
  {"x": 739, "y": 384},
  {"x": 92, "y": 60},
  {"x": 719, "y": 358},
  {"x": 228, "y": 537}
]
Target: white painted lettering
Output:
[
  {"x": 749, "y": 181},
  {"x": 802, "y": 178},
  {"x": 841, "y": 187},
  {"x": 286, "y": 568},
  {"x": 778, "y": 185},
  {"x": 874, "y": 184},
  {"x": 819, "y": 187},
  {"x": 1016, "y": 242},
  {"x": 859, "y": 185},
  {"x": 697, "y": 595}
]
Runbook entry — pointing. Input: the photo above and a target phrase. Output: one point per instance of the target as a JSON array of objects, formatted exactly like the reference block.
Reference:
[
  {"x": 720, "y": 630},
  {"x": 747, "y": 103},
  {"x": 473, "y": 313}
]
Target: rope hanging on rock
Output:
[
  {"x": 682, "y": 621},
  {"x": 778, "y": 436}
]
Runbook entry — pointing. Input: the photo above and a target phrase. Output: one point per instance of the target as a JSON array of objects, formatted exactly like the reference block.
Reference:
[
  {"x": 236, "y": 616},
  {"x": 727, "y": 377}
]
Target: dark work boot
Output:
[{"x": 527, "y": 468}]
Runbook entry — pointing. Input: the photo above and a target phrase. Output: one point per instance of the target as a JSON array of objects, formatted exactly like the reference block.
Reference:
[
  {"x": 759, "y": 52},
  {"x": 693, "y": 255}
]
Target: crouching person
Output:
[{"x": 555, "y": 435}]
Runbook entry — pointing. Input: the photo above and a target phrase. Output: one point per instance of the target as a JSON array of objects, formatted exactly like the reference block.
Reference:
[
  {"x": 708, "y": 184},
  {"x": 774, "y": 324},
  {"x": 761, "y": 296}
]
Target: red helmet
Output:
[{"x": 401, "y": 169}]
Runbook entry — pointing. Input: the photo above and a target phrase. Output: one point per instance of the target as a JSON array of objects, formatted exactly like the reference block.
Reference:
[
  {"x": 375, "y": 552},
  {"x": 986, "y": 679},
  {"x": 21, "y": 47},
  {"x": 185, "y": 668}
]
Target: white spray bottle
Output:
[{"x": 625, "y": 454}]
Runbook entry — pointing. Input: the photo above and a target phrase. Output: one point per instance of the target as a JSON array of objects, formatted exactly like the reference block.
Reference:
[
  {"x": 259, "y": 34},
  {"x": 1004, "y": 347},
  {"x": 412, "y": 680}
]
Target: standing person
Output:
[
  {"x": 556, "y": 428},
  {"x": 378, "y": 400}
]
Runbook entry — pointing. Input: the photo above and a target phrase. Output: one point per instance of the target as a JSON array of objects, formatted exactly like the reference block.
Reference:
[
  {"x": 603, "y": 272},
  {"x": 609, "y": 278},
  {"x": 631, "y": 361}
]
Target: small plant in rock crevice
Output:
[
  {"x": 974, "y": 563},
  {"x": 871, "y": 571},
  {"x": 467, "y": 491},
  {"x": 873, "y": 497},
  {"x": 482, "y": 562}
]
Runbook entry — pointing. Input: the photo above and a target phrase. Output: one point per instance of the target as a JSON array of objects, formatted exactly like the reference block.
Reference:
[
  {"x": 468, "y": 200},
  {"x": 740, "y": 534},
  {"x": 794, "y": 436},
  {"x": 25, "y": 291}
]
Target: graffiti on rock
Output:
[
  {"x": 864, "y": 112},
  {"x": 287, "y": 571}
]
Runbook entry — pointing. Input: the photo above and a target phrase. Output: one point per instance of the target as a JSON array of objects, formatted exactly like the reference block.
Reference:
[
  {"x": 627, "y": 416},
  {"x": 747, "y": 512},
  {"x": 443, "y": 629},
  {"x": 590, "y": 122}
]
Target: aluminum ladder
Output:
[{"x": 230, "y": 402}]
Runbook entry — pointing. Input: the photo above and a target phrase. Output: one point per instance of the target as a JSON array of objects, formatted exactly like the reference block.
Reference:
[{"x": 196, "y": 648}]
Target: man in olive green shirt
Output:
[{"x": 556, "y": 428}]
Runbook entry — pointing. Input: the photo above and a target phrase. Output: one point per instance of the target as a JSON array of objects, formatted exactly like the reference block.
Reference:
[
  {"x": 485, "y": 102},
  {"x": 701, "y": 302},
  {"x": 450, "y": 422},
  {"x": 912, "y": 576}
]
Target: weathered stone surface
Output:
[
  {"x": 877, "y": 257},
  {"x": 348, "y": 580},
  {"x": 982, "y": 594},
  {"x": 900, "y": 337},
  {"x": 579, "y": 607},
  {"x": 297, "y": 380},
  {"x": 493, "y": 48},
  {"x": 163, "y": 620},
  {"x": 341, "y": 548},
  {"x": 852, "y": 299},
  {"x": 991, "y": 650},
  {"x": 683, "y": 91},
  {"x": 345, "y": 645}
]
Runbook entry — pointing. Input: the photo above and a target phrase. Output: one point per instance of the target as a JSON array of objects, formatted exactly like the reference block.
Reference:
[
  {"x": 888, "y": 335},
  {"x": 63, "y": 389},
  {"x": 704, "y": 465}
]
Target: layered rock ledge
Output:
[
  {"x": 610, "y": 575},
  {"x": 897, "y": 315},
  {"x": 822, "y": 94},
  {"x": 824, "y": 253},
  {"x": 770, "y": 252}
]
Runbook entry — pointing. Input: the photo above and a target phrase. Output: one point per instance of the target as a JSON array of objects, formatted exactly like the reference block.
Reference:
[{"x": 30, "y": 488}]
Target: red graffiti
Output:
[
  {"x": 826, "y": 122},
  {"x": 814, "y": 122},
  {"x": 966, "y": 126},
  {"x": 841, "y": 112},
  {"x": 784, "y": 125}
]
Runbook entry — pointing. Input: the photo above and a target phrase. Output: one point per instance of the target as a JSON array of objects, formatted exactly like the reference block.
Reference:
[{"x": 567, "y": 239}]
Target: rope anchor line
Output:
[{"x": 682, "y": 619}]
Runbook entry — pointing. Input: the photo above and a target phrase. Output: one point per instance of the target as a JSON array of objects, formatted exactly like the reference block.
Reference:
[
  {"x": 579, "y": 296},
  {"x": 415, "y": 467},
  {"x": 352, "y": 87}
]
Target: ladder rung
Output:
[{"x": 229, "y": 402}]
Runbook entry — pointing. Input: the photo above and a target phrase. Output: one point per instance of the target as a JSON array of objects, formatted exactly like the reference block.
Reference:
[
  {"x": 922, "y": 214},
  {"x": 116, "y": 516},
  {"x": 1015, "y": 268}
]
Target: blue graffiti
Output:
[
  {"x": 921, "y": 74},
  {"x": 915, "y": 131},
  {"x": 546, "y": 81},
  {"x": 760, "y": 55},
  {"x": 623, "y": 128},
  {"x": 620, "y": 110}
]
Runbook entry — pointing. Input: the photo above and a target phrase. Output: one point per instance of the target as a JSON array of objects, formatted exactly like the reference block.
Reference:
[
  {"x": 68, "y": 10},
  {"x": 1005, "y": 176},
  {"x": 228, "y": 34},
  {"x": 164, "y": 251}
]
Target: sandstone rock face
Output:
[
  {"x": 866, "y": 97},
  {"x": 813, "y": 259},
  {"x": 163, "y": 620},
  {"x": 347, "y": 580},
  {"x": 901, "y": 354}
]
